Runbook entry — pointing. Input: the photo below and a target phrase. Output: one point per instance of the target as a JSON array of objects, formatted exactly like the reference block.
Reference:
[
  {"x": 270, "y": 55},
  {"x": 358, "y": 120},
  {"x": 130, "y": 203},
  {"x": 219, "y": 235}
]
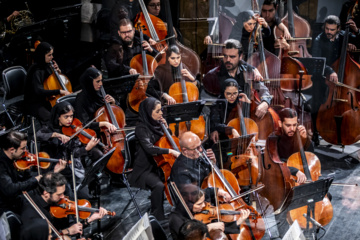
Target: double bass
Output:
[
  {"x": 338, "y": 118},
  {"x": 116, "y": 116}
]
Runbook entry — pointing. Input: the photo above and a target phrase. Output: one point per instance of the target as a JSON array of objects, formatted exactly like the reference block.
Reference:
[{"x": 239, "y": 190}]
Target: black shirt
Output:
[{"x": 269, "y": 40}]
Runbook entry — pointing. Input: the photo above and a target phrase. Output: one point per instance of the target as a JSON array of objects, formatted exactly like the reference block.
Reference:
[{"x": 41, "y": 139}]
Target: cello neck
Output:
[
  {"x": 303, "y": 157},
  {"x": 168, "y": 136},
  {"x": 341, "y": 71},
  {"x": 58, "y": 76},
  {"x": 143, "y": 54},
  {"x": 148, "y": 21},
  {"x": 290, "y": 18},
  {"x": 183, "y": 85},
  {"x": 241, "y": 119},
  {"x": 109, "y": 109}
]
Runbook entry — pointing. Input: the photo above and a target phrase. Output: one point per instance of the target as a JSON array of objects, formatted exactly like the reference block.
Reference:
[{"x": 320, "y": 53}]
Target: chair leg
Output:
[{"x": 8, "y": 114}]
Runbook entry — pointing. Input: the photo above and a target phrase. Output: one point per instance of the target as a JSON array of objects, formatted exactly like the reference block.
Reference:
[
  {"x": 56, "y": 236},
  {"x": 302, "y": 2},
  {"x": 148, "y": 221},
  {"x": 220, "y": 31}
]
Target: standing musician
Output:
[
  {"x": 268, "y": 12},
  {"x": 244, "y": 27},
  {"x": 35, "y": 94},
  {"x": 49, "y": 192},
  {"x": 196, "y": 204},
  {"x": 121, "y": 52},
  {"x": 233, "y": 66},
  {"x": 13, "y": 146},
  {"x": 148, "y": 131},
  {"x": 166, "y": 74},
  {"x": 57, "y": 144}
]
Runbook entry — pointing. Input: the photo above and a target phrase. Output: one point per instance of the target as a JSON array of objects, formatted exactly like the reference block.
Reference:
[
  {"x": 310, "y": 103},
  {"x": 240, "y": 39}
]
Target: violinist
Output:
[
  {"x": 244, "y": 27},
  {"x": 232, "y": 66},
  {"x": 268, "y": 12},
  {"x": 124, "y": 48},
  {"x": 35, "y": 95},
  {"x": 13, "y": 182},
  {"x": 166, "y": 74},
  {"x": 196, "y": 204},
  {"x": 49, "y": 192},
  {"x": 148, "y": 131}
]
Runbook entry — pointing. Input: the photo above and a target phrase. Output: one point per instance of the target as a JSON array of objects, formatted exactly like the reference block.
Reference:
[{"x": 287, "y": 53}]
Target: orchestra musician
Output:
[
  {"x": 232, "y": 66},
  {"x": 13, "y": 182},
  {"x": 122, "y": 51},
  {"x": 192, "y": 230},
  {"x": 49, "y": 192},
  {"x": 245, "y": 24},
  {"x": 35, "y": 94},
  {"x": 268, "y": 12},
  {"x": 166, "y": 74},
  {"x": 41, "y": 232},
  {"x": 196, "y": 203},
  {"x": 148, "y": 131}
]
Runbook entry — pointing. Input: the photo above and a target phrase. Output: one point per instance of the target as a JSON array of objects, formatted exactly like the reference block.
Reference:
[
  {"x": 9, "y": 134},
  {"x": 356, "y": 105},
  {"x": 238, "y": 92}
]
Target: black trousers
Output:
[{"x": 157, "y": 195}]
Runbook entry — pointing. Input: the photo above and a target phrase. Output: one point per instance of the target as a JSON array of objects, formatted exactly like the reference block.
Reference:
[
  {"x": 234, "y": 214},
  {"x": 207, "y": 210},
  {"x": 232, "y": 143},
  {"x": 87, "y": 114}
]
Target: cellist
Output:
[
  {"x": 49, "y": 192},
  {"x": 35, "y": 95},
  {"x": 145, "y": 174}
]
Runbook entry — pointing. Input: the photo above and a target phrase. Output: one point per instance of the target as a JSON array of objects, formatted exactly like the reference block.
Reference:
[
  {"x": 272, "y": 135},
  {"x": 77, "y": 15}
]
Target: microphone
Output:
[{"x": 313, "y": 221}]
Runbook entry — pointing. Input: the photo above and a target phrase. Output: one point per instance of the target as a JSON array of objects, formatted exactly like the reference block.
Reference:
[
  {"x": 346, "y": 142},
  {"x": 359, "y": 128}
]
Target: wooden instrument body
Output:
[
  {"x": 30, "y": 160},
  {"x": 323, "y": 209},
  {"x": 339, "y": 117},
  {"x": 290, "y": 68},
  {"x": 52, "y": 83},
  {"x": 175, "y": 91},
  {"x": 116, "y": 162},
  {"x": 197, "y": 127}
]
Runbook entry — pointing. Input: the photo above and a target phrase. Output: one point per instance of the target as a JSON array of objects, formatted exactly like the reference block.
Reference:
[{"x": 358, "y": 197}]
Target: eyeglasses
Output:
[
  {"x": 196, "y": 148},
  {"x": 233, "y": 94},
  {"x": 154, "y": 5},
  {"x": 127, "y": 32}
]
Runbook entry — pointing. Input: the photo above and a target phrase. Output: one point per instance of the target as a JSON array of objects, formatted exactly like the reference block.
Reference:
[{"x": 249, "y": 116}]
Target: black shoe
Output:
[{"x": 315, "y": 138}]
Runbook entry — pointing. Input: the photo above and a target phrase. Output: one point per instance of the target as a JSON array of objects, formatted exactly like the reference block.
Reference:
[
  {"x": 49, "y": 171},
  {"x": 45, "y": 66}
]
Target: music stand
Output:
[
  {"x": 121, "y": 85},
  {"x": 314, "y": 65},
  {"x": 306, "y": 195},
  {"x": 183, "y": 111}
]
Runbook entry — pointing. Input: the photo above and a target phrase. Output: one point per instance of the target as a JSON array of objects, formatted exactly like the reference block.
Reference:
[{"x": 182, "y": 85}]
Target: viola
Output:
[
  {"x": 66, "y": 207},
  {"x": 166, "y": 161},
  {"x": 57, "y": 81},
  {"x": 29, "y": 160},
  {"x": 309, "y": 164},
  {"x": 144, "y": 64},
  {"x": 84, "y": 135},
  {"x": 116, "y": 116}
]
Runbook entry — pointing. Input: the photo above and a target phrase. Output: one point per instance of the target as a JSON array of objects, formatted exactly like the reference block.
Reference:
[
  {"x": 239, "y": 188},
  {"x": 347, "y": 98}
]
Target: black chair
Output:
[
  {"x": 129, "y": 150},
  {"x": 14, "y": 85},
  {"x": 69, "y": 98}
]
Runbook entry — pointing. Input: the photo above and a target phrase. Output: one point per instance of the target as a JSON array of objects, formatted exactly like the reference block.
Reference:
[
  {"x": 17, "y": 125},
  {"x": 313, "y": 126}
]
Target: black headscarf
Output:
[
  {"x": 238, "y": 29},
  {"x": 37, "y": 229},
  {"x": 55, "y": 114},
  {"x": 145, "y": 115},
  {"x": 230, "y": 106},
  {"x": 39, "y": 58},
  {"x": 86, "y": 82}
]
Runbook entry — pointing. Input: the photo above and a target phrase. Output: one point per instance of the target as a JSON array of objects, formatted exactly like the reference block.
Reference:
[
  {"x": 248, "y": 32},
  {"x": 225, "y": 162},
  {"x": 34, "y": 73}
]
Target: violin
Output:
[
  {"x": 66, "y": 207},
  {"x": 166, "y": 161},
  {"x": 57, "y": 81},
  {"x": 84, "y": 135},
  {"x": 29, "y": 160},
  {"x": 115, "y": 115},
  {"x": 144, "y": 64}
]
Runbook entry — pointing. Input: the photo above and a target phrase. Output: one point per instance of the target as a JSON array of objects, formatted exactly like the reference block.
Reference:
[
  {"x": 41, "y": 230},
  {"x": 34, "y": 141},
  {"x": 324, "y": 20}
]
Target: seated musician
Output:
[
  {"x": 121, "y": 52},
  {"x": 148, "y": 131},
  {"x": 268, "y": 12},
  {"x": 13, "y": 182},
  {"x": 35, "y": 95},
  {"x": 246, "y": 21},
  {"x": 234, "y": 67},
  {"x": 41, "y": 232},
  {"x": 49, "y": 192},
  {"x": 192, "y": 230},
  {"x": 196, "y": 204},
  {"x": 166, "y": 74},
  {"x": 56, "y": 143}
]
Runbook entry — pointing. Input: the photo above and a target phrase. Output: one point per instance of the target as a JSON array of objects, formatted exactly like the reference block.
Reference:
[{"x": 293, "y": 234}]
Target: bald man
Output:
[{"x": 191, "y": 168}]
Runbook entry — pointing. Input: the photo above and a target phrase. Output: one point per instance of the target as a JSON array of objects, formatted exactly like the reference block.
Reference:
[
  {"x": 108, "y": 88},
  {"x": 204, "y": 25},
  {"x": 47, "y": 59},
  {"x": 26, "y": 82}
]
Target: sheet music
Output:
[
  {"x": 141, "y": 230},
  {"x": 294, "y": 232}
]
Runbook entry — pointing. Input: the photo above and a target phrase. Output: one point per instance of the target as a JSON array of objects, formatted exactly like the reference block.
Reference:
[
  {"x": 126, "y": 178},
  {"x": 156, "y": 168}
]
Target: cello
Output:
[
  {"x": 166, "y": 161},
  {"x": 141, "y": 63},
  {"x": 309, "y": 164},
  {"x": 115, "y": 115},
  {"x": 299, "y": 30},
  {"x": 338, "y": 118}
]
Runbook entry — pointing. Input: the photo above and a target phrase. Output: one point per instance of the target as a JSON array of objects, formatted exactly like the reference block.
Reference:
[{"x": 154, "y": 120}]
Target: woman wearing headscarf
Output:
[
  {"x": 244, "y": 27},
  {"x": 167, "y": 74},
  {"x": 148, "y": 131},
  {"x": 35, "y": 96},
  {"x": 89, "y": 100}
]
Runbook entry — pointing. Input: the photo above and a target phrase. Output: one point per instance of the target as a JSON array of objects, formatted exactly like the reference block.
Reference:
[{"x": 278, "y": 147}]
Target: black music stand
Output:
[
  {"x": 307, "y": 195},
  {"x": 121, "y": 85},
  {"x": 183, "y": 112},
  {"x": 95, "y": 173}
]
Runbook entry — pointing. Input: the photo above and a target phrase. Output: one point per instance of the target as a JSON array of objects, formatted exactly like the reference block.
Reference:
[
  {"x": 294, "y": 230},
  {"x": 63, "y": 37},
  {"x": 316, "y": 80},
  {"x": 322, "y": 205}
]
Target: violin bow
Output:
[
  {"x": 181, "y": 199},
  {"x": 42, "y": 215},
  {"x": 85, "y": 126},
  {"x": 74, "y": 187},
  {"x": 35, "y": 143}
]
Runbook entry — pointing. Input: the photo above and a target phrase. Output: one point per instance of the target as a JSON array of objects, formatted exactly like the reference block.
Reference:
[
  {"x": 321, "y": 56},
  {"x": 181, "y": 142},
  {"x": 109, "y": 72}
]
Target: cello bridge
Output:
[
  {"x": 292, "y": 53},
  {"x": 340, "y": 100}
]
